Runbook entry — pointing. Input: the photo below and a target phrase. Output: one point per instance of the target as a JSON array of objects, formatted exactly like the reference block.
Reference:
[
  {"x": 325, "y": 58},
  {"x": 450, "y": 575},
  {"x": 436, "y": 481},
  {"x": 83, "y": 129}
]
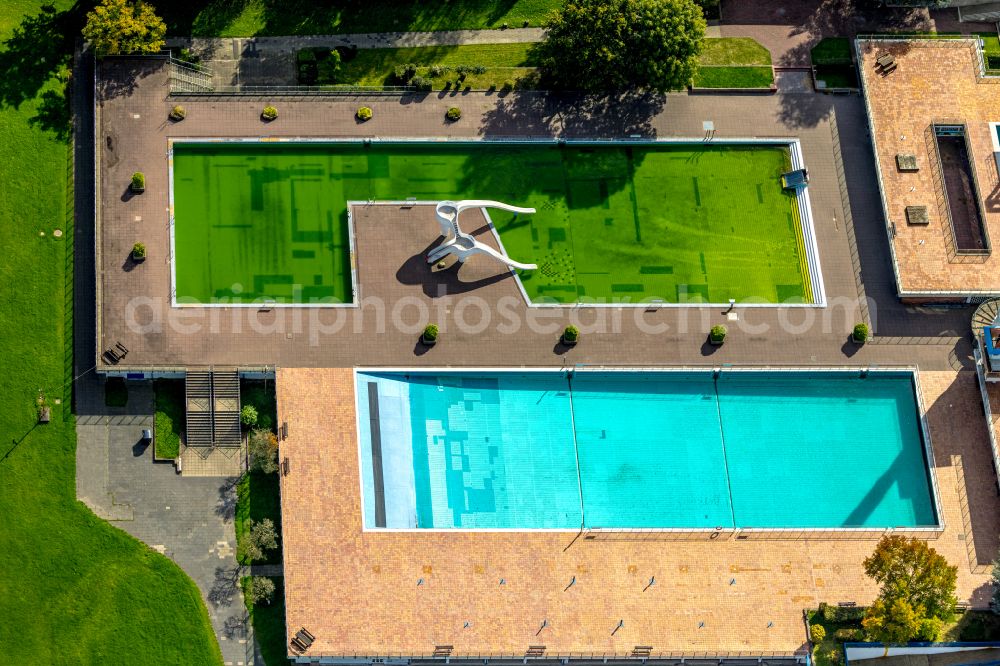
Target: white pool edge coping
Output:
[
  {"x": 733, "y": 531},
  {"x": 795, "y": 152}
]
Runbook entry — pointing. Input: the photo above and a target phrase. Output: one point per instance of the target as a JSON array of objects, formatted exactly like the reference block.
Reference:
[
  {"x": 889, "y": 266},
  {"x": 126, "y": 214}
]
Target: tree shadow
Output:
[
  {"x": 522, "y": 114},
  {"x": 799, "y": 111},
  {"x": 53, "y": 114},
  {"x": 618, "y": 115},
  {"x": 224, "y": 586},
  {"x": 960, "y": 440},
  {"x": 37, "y": 49},
  {"x": 225, "y": 505}
]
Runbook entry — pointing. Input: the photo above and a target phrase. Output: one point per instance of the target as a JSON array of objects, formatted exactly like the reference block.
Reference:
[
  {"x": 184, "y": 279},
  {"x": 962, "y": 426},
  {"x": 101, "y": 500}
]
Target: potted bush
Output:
[
  {"x": 860, "y": 333},
  {"x": 364, "y": 114},
  {"x": 177, "y": 113},
  {"x": 570, "y": 336},
  {"x": 138, "y": 252},
  {"x": 454, "y": 113},
  {"x": 430, "y": 335},
  {"x": 269, "y": 113},
  {"x": 717, "y": 335},
  {"x": 138, "y": 182}
]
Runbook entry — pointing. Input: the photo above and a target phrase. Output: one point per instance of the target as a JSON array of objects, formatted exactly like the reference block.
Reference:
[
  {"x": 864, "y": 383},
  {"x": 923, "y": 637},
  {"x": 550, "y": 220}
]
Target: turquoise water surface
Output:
[{"x": 528, "y": 450}]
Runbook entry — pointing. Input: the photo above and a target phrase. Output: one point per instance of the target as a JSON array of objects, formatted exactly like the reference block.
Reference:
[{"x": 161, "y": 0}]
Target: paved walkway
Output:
[
  {"x": 789, "y": 30},
  {"x": 188, "y": 520}
]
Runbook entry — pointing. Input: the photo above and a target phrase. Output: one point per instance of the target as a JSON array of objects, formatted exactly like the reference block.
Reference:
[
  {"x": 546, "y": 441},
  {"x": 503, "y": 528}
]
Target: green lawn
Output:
[
  {"x": 260, "y": 394},
  {"x": 733, "y": 62},
  {"x": 268, "y": 622},
  {"x": 241, "y": 18},
  {"x": 734, "y": 77},
  {"x": 75, "y": 589},
  {"x": 832, "y": 57},
  {"x": 685, "y": 224},
  {"x": 504, "y": 62},
  {"x": 257, "y": 497},
  {"x": 733, "y": 51},
  {"x": 728, "y": 62},
  {"x": 169, "y": 417}
]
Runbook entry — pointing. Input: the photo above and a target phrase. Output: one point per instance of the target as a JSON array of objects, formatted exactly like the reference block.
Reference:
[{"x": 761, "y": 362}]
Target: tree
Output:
[
  {"x": 248, "y": 415},
  {"x": 259, "y": 537},
  {"x": 263, "y": 449},
  {"x": 910, "y": 570},
  {"x": 893, "y": 621},
  {"x": 119, "y": 26},
  {"x": 615, "y": 45},
  {"x": 260, "y": 589}
]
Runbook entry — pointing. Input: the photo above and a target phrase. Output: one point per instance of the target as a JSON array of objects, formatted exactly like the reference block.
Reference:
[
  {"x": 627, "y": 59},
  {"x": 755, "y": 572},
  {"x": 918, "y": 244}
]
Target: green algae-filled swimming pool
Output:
[
  {"x": 682, "y": 223},
  {"x": 602, "y": 449}
]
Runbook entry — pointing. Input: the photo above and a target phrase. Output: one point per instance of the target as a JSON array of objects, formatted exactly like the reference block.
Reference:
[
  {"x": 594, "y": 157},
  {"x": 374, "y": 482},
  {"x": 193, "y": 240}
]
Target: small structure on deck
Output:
[
  {"x": 464, "y": 245},
  {"x": 795, "y": 180}
]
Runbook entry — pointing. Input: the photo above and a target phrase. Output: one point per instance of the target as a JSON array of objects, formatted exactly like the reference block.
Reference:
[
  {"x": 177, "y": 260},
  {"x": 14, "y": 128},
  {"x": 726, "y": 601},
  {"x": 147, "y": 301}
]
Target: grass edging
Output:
[
  {"x": 268, "y": 621},
  {"x": 169, "y": 418}
]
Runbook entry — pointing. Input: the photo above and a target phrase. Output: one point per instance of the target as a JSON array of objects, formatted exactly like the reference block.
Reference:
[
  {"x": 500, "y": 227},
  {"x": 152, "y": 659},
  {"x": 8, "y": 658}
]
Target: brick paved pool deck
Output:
[
  {"x": 935, "y": 81},
  {"x": 134, "y": 131},
  {"x": 357, "y": 592}
]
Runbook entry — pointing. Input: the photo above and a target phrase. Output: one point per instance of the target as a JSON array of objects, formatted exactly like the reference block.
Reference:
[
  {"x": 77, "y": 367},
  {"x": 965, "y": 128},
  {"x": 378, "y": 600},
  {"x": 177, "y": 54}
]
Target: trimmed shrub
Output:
[
  {"x": 860, "y": 333},
  {"x": 571, "y": 334},
  {"x": 404, "y": 73},
  {"x": 364, "y": 114},
  {"x": 138, "y": 181},
  {"x": 817, "y": 633},
  {"x": 248, "y": 415},
  {"x": 438, "y": 70},
  {"x": 479, "y": 69},
  {"x": 454, "y": 113},
  {"x": 841, "y": 614},
  {"x": 849, "y": 635},
  {"x": 139, "y": 251},
  {"x": 718, "y": 333},
  {"x": 269, "y": 113},
  {"x": 504, "y": 26},
  {"x": 430, "y": 333},
  {"x": 420, "y": 83},
  {"x": 328, "y": 68},
  {"x": 178, "y": 113},
  {"x": 508, "y": 85}
]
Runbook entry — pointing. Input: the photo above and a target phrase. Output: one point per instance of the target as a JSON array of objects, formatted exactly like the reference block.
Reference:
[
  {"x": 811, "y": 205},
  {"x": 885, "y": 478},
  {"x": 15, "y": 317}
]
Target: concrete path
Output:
[
  {"x": 231, "y": 48},
  {"x": 190, "y": 520},
  {"x": 270, "y": 61}
]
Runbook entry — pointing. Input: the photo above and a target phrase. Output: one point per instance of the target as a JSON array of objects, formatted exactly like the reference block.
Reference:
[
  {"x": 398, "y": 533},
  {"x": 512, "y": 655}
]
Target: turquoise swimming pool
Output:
[{"x": 609, "y": 449}]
